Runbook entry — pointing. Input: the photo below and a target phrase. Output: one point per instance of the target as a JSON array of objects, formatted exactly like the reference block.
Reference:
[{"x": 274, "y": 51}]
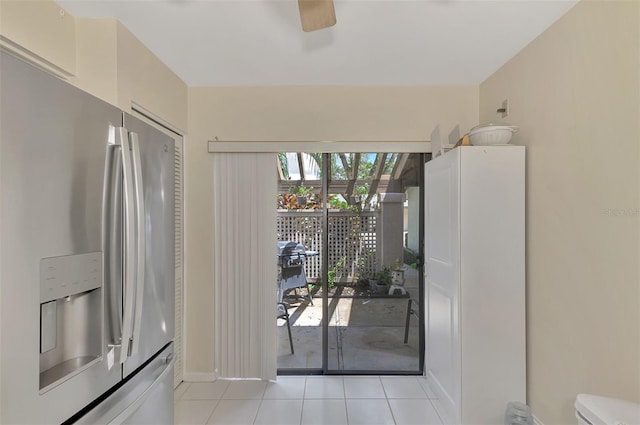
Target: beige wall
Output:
[
  {"x": 144, "y": 80},
  {"x": 335, "y": 113},
  {"x": 41, "y": 28},
  {"x": 574, "y": 92},
  {"x": 100, "y": 56},
  {"x": 291, "y": 114},
  {"x": 97, "y": 58}
]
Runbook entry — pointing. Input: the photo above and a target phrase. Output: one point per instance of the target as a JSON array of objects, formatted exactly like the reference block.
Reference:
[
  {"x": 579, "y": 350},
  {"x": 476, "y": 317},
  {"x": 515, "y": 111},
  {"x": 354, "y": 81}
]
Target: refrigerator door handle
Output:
[
  {"x": 125, "y": 414},
  {"x": 140, "y": 240},
  {"x": 112, "y": 234},
  {"x": 129, "y": 242}
]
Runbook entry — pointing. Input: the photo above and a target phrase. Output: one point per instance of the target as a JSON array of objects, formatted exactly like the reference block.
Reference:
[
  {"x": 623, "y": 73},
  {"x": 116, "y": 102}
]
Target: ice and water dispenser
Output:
[{"x": 70, "y": 316}]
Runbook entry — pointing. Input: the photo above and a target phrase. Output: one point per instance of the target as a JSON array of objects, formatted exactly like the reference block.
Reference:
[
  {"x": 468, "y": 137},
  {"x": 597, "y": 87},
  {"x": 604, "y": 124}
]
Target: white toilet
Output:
[{"x": 596, "y": 410}]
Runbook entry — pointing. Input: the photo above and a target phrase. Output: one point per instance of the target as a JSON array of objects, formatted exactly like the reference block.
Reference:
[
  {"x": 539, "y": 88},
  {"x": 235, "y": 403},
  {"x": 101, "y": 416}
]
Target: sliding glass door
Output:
[{"x": 356, "y": 216}]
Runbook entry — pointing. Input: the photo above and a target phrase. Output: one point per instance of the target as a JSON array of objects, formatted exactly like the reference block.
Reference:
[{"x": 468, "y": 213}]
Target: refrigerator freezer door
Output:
[
  {"x": 155, "y": 321},
  {"x": 53, "y": 144},
  {"x": 146, "y": 398}
]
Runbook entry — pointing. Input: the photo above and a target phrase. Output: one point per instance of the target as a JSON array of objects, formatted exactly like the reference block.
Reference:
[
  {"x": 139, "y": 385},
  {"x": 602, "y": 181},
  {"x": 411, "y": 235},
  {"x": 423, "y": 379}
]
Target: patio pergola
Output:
[{"x": 379, "y": 172}]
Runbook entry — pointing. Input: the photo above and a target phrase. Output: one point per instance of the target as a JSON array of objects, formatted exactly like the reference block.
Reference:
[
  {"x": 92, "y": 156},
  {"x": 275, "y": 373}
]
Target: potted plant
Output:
[
  {"x": 301, "y": 193},
  {"x": 381, "y": 281},
  {"x": 359, "y": 196}
]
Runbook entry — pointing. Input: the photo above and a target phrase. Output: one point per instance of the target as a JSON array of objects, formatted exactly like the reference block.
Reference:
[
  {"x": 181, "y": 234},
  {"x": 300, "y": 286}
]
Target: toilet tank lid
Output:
[{"x": 607, "y": 411}]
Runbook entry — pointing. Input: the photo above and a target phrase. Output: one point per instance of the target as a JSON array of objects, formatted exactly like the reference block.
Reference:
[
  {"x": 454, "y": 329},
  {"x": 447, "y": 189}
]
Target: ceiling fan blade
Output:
[{"x": 316, "y": 14}]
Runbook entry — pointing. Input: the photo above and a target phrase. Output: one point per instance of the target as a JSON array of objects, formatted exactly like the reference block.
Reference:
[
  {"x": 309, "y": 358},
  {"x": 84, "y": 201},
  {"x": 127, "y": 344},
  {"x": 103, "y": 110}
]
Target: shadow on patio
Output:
[{"x": 366, "y": 333}]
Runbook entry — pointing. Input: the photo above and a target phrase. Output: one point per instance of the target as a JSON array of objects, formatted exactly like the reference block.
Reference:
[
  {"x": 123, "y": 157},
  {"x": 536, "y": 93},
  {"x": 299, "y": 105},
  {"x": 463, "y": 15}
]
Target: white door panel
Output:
[
  {"x": 441, "y": 338},
  {"x": 442, "y": 277}
]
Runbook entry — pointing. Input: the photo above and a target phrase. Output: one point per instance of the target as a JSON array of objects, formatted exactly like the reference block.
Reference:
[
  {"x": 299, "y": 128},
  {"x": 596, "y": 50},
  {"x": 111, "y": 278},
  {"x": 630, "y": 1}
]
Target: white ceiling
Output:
[{"x": 390, "y": 42}]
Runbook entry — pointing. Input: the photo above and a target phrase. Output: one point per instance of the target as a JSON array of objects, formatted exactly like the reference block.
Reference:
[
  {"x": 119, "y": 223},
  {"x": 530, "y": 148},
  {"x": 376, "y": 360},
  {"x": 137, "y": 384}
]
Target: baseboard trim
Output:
[
  {"x": 537, "y": 421},
  {"x": 200, "y": 377}
]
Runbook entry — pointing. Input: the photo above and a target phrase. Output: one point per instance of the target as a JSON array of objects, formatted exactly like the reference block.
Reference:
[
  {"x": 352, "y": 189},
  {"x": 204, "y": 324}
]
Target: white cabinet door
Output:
[
  {"x": 492, "y": 301},
  {"x": 442, "y": 229},
  {"x": 475, "y": 298}
]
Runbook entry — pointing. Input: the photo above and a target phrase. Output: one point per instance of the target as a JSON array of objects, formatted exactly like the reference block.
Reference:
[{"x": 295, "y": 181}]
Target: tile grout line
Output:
[
  {"x": 217, "y": 402},
  {"x": 344, "y": 392},
  {"x": 212, "y": 411},
  {"x": 304, "y": 389},
  {"x": 187, "y": 385},
  {"x": 255, "y": 418},
  {"x": 301, "y": 411},
  {"x": 386, "y": 397},
  {"x": 346, "y": 410},
  {"x": 422, "y": 381},
  {"x": 304, "y": 396}
]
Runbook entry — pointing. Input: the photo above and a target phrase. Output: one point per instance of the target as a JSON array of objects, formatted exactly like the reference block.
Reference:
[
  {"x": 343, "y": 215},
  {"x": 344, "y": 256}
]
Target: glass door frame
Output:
[{"x": 325, "y": 370}]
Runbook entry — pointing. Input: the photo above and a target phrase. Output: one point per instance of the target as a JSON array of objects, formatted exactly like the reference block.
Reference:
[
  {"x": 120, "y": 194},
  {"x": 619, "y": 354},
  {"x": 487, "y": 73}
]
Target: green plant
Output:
[
  {"x": 383, "y": 275},
  {"x": 336, "y": 202},
  {"x": 410, "y": 256},
  {"x": 398, "y": 266},
  {"x": 301, "y": 190},
  {"x": 359, "y": 199},
  {"x": 362, "y": 265},
  {"x": 332, "y": 274},
  {"x": 362, "y": 190},
  {"x": 284, "y": 165}
]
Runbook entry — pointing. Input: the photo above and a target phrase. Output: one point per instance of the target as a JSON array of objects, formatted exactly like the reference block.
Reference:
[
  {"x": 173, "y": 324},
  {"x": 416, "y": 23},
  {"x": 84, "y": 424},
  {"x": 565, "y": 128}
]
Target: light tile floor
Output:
[{"x": 300, "y": 400}]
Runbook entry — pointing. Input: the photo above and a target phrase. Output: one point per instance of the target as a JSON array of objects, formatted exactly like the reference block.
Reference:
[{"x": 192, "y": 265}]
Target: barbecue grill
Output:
[{"x": 291, "y": 273}]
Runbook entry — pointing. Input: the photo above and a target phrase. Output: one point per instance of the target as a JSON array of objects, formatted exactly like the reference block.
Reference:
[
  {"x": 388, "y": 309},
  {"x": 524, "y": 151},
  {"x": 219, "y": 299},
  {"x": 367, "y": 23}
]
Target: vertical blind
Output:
[{"x": 244, "y": 265}]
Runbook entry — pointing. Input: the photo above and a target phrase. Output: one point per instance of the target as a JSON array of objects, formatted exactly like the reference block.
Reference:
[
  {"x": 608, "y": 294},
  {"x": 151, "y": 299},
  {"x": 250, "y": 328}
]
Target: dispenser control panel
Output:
[{"x": 70, "y": 274}]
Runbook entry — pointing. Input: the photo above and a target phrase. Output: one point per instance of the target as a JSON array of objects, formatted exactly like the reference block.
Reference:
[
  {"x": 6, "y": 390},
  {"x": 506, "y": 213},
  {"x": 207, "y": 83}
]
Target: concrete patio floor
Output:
[{"x": 365, "y": 333}]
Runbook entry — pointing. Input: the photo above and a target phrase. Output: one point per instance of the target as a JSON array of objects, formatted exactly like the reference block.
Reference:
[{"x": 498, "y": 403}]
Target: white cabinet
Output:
[{"x": 474, "y": 274}]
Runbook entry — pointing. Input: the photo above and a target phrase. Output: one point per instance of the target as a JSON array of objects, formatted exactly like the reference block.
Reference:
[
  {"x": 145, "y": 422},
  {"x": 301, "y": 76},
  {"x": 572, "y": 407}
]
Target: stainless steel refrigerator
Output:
[{"x": 86, "y": 257}]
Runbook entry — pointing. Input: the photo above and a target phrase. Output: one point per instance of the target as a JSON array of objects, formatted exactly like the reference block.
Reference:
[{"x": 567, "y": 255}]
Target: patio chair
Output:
[{"x": 284, "y": 314}]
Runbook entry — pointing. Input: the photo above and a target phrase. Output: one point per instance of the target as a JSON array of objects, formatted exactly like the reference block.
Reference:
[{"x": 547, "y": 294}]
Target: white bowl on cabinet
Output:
[{"x": 491, "y": 134}]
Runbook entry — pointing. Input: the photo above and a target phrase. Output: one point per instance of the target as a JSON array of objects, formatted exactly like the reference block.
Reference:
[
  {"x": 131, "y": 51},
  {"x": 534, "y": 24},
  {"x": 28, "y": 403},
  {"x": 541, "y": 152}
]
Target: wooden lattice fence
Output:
[{"x": 352, "y": 241}]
